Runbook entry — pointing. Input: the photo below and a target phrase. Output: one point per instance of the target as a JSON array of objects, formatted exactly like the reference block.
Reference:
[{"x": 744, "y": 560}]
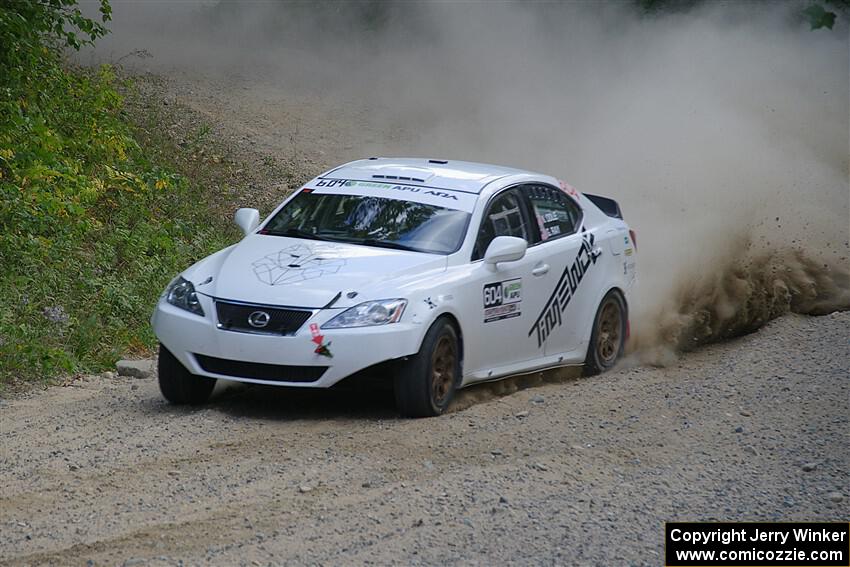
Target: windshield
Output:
[{"x": 372, "y": 221}]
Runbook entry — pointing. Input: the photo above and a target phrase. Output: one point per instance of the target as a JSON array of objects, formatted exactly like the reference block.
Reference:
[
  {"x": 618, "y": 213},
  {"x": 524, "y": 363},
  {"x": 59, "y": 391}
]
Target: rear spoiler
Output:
[{"x": 608, "y": 206}]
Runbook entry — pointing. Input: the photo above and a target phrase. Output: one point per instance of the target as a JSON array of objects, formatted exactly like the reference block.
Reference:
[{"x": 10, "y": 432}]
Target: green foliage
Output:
[
  {"x": 662, "y": 6},
  {"x": 32, "y": 32},
  {"x": 818, "y": 17},
  {"x": 90, "y": 229},
  {"x": 822, "y": 14}
]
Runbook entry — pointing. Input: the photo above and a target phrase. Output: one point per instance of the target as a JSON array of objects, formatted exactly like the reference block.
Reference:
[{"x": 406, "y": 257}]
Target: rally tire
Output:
[
  {"x": 178, "y": 385},
  {"x": 425, "y": 382},
  {"x": 608, "y": 336}
]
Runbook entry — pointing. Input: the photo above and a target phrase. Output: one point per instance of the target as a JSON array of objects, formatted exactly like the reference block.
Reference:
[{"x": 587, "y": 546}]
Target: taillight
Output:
[{"x": 634, "y": 238}]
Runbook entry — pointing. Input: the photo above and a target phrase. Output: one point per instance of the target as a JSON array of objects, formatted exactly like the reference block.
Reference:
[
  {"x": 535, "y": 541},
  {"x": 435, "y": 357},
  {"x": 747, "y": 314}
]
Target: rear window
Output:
[{"x": 554, "y": 212}]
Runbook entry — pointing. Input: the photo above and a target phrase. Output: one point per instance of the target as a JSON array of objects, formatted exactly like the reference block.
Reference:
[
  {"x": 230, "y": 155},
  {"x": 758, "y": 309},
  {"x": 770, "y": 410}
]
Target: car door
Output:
[
  {"x": 570, "y": 254},
  {"x": 504, "y": 299}
]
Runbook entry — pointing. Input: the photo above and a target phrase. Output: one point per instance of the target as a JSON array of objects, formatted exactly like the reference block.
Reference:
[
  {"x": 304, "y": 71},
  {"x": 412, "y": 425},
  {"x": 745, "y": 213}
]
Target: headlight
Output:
[
  {"x": 181, "y": 293},
  {"x": 369, "y": 314}
]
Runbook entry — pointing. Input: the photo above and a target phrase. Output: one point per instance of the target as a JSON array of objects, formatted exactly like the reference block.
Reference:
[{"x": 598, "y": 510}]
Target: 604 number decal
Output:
[{"x": 502, "y": 300}]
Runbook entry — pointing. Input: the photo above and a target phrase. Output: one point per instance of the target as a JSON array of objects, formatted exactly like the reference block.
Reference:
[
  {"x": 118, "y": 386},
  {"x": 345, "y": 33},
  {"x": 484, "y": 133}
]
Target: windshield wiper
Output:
[
  {"x": 387, "y": 244},
  {"x": 295, "y": 233}
]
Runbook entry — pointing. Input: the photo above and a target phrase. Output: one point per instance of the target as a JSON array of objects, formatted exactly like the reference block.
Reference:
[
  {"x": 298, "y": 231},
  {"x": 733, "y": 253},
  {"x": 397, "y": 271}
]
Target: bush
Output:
[{"x": 90, "y": 229}]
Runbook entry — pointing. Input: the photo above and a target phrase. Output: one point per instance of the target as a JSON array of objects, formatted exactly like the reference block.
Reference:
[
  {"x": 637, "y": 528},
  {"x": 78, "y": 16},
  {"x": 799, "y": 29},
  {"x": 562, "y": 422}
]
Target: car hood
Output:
[{"x": 296, "y": 272}]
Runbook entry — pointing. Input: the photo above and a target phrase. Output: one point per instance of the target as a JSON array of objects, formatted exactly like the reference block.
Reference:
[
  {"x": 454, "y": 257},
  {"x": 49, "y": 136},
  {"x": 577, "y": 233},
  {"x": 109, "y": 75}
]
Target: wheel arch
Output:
[
  {"x": 454, "y": 321},
  {"x": 622, "y": 293},
  {"x": 597, "y": 362},
  {"x": 414, "y": 390},
  {"x": 598, "y": 301}
]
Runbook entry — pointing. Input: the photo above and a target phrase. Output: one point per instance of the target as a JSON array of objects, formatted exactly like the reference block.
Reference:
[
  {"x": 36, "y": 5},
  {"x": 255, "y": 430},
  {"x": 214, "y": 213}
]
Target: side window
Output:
[
  {"x": 554, "y": 213},
  {"x": 504, "y": 217}
]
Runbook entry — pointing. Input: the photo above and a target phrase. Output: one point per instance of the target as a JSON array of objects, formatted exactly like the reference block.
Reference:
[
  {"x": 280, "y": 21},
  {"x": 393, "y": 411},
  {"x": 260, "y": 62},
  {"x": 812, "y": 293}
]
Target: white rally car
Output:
[{"x": 437, "y": 273}]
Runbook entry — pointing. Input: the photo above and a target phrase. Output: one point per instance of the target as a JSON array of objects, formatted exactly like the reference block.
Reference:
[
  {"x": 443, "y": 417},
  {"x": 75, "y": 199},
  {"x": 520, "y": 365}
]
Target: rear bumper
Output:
[{"x": 206, "y": 350}]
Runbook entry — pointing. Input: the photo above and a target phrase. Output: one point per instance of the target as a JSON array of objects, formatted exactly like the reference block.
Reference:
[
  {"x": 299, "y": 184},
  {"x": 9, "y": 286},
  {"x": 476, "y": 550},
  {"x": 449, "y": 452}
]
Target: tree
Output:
[{"x": 34, "y": 31}]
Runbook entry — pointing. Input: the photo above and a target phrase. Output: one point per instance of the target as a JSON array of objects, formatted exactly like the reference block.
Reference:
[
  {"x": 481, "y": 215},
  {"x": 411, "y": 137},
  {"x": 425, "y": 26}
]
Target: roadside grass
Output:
[{"x": 97, "y": 213}]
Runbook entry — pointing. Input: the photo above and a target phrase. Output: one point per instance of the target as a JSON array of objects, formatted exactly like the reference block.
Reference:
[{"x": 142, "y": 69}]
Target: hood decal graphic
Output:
[{"x": 296, "y": 263}]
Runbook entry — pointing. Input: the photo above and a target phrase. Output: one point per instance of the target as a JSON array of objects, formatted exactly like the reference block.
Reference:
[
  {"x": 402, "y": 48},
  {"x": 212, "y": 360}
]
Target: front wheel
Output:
[
  {"x": 425, "y": 383},
  {"x": 608, "y": 336},
  {"x": 178, "y": 385}
]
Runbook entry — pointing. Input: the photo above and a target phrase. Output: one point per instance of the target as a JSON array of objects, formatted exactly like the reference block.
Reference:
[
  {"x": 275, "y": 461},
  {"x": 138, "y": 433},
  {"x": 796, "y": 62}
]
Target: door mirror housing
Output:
[
  {"x": 505, "y": 249},
  {"x": 247, "y": 220}
]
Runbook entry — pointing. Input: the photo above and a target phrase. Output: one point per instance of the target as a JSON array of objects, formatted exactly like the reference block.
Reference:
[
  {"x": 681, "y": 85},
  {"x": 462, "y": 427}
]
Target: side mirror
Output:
[
  {"x": 505, "y": 249},
  {"x": 247, "y": 220}
]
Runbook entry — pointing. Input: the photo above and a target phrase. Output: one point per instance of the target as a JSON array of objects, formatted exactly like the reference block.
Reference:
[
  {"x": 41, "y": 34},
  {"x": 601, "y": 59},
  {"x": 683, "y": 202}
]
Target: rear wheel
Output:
[
  {"x": 178, "y": 385},
  {"x": 425, "y": 383},
  {"x": 608, "y": 335}
]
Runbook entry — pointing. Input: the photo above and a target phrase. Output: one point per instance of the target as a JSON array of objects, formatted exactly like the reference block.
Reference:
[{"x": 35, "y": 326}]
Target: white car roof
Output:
[{"x": 465, "y": 176}]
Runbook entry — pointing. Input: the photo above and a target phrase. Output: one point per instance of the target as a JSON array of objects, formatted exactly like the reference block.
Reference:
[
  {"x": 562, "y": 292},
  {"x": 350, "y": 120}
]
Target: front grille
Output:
[
  {"x": 279, "y": 321},
  {"x": 258, "y": 371}
]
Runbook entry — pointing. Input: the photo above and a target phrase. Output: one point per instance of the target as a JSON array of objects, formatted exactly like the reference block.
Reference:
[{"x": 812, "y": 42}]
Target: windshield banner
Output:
[{"x": 427, "y": 195}]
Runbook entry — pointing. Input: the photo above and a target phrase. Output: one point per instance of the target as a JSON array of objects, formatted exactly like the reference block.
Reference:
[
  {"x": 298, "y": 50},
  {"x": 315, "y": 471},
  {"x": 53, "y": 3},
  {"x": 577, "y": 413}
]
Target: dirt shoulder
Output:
[
  {"x": 570, "y": 470},
  {"x": 253, "y": 141}
]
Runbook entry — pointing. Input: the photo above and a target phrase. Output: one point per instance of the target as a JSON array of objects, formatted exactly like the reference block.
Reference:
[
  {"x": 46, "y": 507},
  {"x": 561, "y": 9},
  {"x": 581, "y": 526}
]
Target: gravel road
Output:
[{"x": 553, "y": 470}]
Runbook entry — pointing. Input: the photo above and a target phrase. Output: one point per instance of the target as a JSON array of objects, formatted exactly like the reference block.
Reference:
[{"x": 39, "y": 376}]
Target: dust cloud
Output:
[{"x": 721, "y": 130}]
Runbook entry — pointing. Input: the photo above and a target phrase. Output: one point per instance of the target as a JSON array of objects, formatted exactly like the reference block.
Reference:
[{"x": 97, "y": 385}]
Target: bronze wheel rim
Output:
[
  {"x": 443, "y": 364},
  {"x": 608, "y": 332}
]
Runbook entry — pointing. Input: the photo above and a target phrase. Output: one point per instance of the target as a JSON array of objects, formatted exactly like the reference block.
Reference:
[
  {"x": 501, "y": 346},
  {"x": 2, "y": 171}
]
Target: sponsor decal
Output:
[
  {"x": 322, "y": 347},
  {"x": 502, "y": 300},
  {"x": 549, "y": 224},
  {"x": 629, "y": 270},
  {"x": 330, "y": 183},
  {"x": 427, "y": 195},
  {"x": 403, "y": 188},
  {"x": 551, "y": 317}
]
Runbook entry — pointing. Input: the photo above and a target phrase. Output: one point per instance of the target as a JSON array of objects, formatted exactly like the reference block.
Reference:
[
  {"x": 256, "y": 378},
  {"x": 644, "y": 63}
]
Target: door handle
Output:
[{"x": 540, "y": 270}]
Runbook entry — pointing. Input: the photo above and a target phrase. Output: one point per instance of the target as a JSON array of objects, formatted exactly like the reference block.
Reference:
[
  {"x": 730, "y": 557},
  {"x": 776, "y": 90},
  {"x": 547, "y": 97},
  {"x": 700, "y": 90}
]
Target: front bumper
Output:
[{"x": 187, "y": 335}]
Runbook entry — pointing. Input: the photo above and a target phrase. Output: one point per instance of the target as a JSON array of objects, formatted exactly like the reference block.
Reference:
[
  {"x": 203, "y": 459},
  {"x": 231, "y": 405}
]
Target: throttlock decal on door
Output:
[
  {"x": 502, "y": 300},
  {"x": 550, "y": 318}
]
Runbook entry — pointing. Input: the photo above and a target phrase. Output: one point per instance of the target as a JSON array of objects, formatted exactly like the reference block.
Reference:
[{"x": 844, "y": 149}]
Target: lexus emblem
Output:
[{"x": 259, "y": 319}]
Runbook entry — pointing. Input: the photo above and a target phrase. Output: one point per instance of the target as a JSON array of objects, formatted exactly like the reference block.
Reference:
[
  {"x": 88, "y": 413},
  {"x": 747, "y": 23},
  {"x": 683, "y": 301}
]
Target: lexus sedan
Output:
[{"x": 438, "y": 274}]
